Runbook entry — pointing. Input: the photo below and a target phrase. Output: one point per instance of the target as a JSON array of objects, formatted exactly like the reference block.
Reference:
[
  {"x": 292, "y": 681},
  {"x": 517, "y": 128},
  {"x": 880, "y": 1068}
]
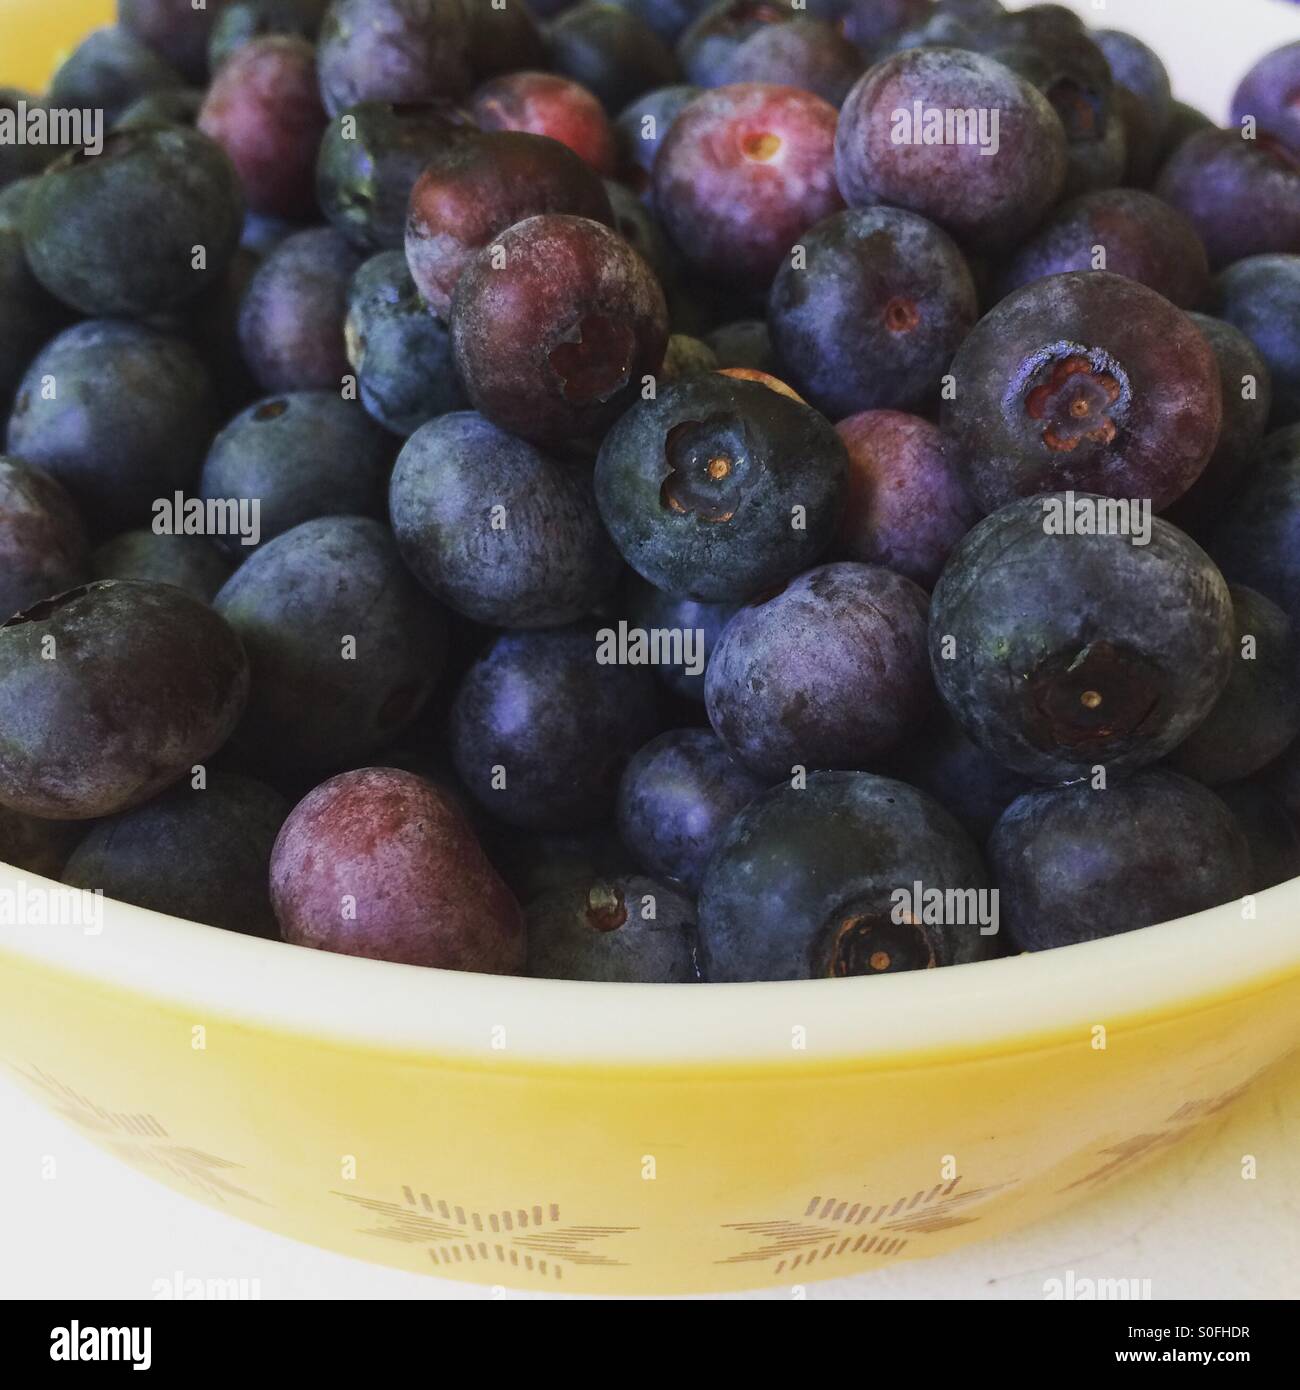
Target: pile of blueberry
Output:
[{"x": 653, "y": 490}]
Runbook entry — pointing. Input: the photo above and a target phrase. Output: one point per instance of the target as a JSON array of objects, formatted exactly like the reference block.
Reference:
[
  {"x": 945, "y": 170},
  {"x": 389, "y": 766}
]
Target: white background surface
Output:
[{"x": 1191, "y": 1224}]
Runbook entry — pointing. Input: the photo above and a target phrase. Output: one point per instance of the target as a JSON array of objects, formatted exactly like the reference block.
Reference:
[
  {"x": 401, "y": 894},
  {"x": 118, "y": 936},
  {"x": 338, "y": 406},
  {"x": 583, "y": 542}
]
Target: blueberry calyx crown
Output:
[{"x": 1086, "y": 697}]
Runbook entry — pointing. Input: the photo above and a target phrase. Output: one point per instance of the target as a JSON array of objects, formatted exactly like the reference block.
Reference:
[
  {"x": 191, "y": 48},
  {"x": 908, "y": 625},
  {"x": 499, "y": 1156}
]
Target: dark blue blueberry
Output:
[
  {"x": 1143, "y": 99},
  {"x": 1270, "y": 831},
  {"x": 824, "y": 880},
  {"x": 176, "y": 29},
  {"x": 192, "y": 563},
  {"x": 1261, "y": 297},
  {"x": 299, "y": 456},
  {"x": 1087, "y": 382},
  {"x": 641, "y": 127},
  {"x": 1258, "y": 540},
  {"x": 610, "y": 51},
  {"x": 686, "y": 356},
  {"x": 1060, "y": 652},
  {"x": 22, "y": 160},
  {"x": 678, "y": 796},
  {"x": 988, "y": 200},
  {"x": 537, "y": 864},
  {"x": 497, "y": 529},
  {"x": 874, "y": 24},
  {"x": 830, "y": 673},
  {"x": 965, "y": 780},
  {"x": 806, "y": 52},
  {"x": 668, "y": 18},
  {"x": 628, "y": 930},
  {"x": 637, "y": 225},
  {"x": 1214, "y": 175},
  {"x": 42, "y": 540},
  {"x": 541, "y": 730},
  {"x": 115, "y": 234},
  {"x": 108, "y": 70},
  {"x": 203, "y": 854},
  {"x": 345, "y": 648},
  {"x": 652, "y": 610},
  {"x": 130, "y": 421},
  {"x": 1139, "y": 235},
  {"x": 393, "y": 50},
  {"x": 369, "y": 161},
  {"x": 1185, "y": 122},
  {"x": 907, "y": 504},
  {"x": 1258, "y": 714},
  {"x": 29, "y": 316},
  {"x": 400, "y": 352},
  {"x": 239, "y": 22},
  {"x": 146, "y": 682},
  {"x": 1247, "y": 403},
  {"x": 719, "y": 488},
  {"x": 1267, "y": 94},
  {"x": 291, "y": 321},
  {"x": 871, "y": 314},
  {"x": 1076, "y": 864}
]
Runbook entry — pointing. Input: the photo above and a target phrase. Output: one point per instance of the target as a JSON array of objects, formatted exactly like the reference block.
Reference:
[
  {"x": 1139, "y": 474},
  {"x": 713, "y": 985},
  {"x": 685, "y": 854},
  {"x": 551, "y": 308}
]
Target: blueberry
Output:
[
  {"x": 37, "y": 846},
  {"x": 1088, "y": 382},
  {"x": 652, "y": 610},
  {"x": 535, "y": 865},
  {"x": 192, "y": 563},
  {"x": 504, "y": 38},
  {"x": 639, "y": 227},
  {"x": 555, "y": 328},
  {"x": 1261, "y": 297},
  {"x": 1213, "y": 175},
  {"x": 117, "y": 234},
  {"x": 291, "y": 320},
  {"x": 29, "y": 315},
  {"x": 744, "y": 170},
  {"x": 871, "y": 314},
  {"x": 1139, "y": 235},
  {"x": 176, "y": 29},
  {"x": 867, "y": 690},
  {"x": 544, "y": 103},
  {"x": 1185, "y": 122},
  {"x": 108, "y": 70},
  {"x": 805, "y": 52},
  {"x": 1060, "y": 652},
  {"x": 709, "y": 43},
  {"x": 21, "y": 161},
  {"x": 541, "y": 730},
  {"x": 264, "y": 109},
  {"x": 479, "y": 188},
  {"x": 630, "y": 930},
  {"x": 641, "y": 127},
  {"x": 1257, "y": 542},
  {"x": 129, "y": 422},
  {"x": 401, "y": 853},
  {"x": 1258, "y": 714},
  {"x": 241, "y": 22},
  {"x": 988, "y": 200},
  {"x": 345, "y": 648},
  {"x": 968, "y": 782},
  {"x": 1140, "y": 69},
  {"x": 496, "y": 529},
  {"x": 145, "y": 682},
  {"x": 668, "y": 18},
  {"x": 872, "y": 24},
  {"x": 1270, "y": 831},
  {"x": 823, "y": 881},
  {"x": 303, "y": 455},
  {"x": 1267, "y": 95},
  {"x": 907, "y": 504},
  {"x": 1247, "y": 403},
  {"x": 199, "y": 853},
  {"x": 369, "y": 161},
  {"x": 393, "y": 50},
  {"x": 686, "y": 356},
  {"x": 610, "y": 51},
  {"x": 678, "y": 796},
  {"x": 400, "y": 352},
  {"x": 42, "y": 540},
  {"x": 1074, "y": 864},
  {"x": 718, "y": 488}
]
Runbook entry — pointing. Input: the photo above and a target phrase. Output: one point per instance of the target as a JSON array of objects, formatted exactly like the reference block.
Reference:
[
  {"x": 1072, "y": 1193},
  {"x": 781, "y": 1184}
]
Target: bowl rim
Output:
[{"x": 1014, "y": 1004}]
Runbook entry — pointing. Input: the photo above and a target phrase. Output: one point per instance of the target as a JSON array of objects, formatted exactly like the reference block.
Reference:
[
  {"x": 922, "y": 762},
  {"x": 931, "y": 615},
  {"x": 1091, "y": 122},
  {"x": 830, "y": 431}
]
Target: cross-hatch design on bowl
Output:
[
  {"x": 524, "y": 1237},
  {"x": 831, "y": 1227},
  {"x": 141, "y": 1140}
]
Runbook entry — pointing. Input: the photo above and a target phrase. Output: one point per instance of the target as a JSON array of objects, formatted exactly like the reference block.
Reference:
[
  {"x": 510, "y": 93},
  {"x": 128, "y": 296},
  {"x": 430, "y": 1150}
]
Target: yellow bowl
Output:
[{"x": 628, "y": 1139}]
